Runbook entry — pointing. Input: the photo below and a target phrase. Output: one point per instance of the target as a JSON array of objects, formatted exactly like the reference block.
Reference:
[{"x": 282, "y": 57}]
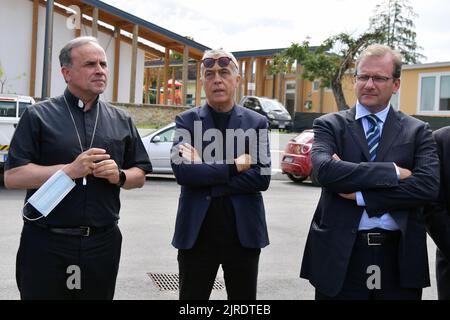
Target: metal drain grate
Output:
[{"x": 169, "y": 281}]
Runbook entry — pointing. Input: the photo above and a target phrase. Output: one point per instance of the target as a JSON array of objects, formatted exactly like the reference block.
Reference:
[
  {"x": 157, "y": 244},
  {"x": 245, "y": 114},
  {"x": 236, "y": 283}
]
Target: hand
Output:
[
  {"x": 404, "y": 173},
  {"x": 243, "y": 162},
  {"x": 336, "y": 157},
  {"x": 108, "y": 170},
  {"x": 84, "y": 164},
  {"x": 189, "y": 153},
  {"x": 348, "y": 196}
]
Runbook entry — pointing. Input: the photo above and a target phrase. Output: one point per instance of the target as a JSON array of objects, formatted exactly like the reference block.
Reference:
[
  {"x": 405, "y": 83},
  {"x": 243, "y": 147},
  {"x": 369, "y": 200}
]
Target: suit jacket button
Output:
[
  {"x": 208, "y": 198},
  {"x": 354, "y": 230}
]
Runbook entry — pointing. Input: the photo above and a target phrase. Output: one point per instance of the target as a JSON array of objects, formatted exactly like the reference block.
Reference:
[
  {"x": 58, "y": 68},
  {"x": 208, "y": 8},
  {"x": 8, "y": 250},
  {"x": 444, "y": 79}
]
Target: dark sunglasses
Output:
[{"x": 223, "y": 62}]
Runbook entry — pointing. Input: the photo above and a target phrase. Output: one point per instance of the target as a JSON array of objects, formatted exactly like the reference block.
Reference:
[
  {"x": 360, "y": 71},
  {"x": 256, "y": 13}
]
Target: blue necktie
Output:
[{"x": 373, "y": 135}]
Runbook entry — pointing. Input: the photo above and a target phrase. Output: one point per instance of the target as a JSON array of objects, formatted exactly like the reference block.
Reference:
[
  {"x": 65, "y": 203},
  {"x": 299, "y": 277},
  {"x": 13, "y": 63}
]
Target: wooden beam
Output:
[
  {"x": 259, "y": 76},
  {"x": 34, "y": 34},
  {"x": 198, "y": 86},
  {"x": 248, "y": 76},
  {"x": 95, "y": 22},
  {"x": 158, "y": 86},
  {"x": 134, "y": 64},
  {"x": 172, "y": 88},
  {"x": 146, "y": 84},
  {"x": 166, "y": 74},
  {"x": 299, "y": 84},
  {"x": 239, "y": 90},
  {"x": 185, "y": 72},
  {"x": 116, "y": 63},
  {"x": 77, "y": 31}
]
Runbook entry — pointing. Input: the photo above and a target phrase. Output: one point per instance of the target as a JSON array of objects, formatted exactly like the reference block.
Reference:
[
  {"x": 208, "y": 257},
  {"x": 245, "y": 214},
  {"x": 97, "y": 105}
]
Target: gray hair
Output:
[
  {"x": 221, "y": 53},
  {"x": 65, "y": 55},
  {"x": 379, "y": 50}
]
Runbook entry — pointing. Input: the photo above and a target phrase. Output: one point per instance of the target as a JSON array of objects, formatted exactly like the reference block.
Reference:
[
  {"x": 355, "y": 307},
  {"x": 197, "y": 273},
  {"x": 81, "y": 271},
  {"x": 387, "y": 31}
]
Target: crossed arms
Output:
[{"x": 382, "y": 190}]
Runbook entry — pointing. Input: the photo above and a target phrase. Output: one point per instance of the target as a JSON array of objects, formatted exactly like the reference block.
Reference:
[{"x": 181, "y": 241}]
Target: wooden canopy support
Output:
[
  {"x": 116, "y": 63},
  {"x": 166, "y": 74},
  {"x": 134, "y": 48},
  {"x": 198, "y": 86},
  {"x": 185, "y": 75},
  {"x": 34, "y": 34}
]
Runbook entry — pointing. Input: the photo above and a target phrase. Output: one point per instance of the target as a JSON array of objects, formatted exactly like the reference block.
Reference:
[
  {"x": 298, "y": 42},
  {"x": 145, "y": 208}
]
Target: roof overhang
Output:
[{"x": 147, "y": 30}]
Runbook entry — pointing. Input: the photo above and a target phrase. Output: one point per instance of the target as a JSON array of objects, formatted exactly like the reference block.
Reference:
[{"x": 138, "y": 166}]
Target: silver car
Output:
[{"x": 158, "y": 145}]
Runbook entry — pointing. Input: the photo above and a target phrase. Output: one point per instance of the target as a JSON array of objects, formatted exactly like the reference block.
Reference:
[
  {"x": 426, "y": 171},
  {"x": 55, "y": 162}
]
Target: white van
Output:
[{"x": 11, "y": 108}]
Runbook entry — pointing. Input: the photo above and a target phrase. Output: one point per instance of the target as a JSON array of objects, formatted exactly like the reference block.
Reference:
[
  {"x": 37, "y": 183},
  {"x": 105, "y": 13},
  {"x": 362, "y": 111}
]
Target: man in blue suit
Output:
[
  {"x": 221, "y": 159},
  {"x": 378, "y": 168}
]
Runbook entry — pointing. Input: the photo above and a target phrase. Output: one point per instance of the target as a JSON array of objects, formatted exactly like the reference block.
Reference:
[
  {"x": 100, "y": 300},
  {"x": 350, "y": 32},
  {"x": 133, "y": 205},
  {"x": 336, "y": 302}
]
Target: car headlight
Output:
[{"x": 270, "y": 116}]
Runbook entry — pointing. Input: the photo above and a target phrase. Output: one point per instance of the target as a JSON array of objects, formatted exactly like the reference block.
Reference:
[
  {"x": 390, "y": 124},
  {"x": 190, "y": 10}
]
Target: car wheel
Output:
[{"x": 296, "y": 178}]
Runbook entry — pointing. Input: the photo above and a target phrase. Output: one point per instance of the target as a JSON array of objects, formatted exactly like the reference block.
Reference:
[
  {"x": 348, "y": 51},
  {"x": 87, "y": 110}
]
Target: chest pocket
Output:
[{"x": 115, "y": 147}]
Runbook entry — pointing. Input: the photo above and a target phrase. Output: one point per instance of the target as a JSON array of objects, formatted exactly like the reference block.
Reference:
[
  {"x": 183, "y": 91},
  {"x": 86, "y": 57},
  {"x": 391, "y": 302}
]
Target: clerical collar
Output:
[{"x": 75, "y": 101}]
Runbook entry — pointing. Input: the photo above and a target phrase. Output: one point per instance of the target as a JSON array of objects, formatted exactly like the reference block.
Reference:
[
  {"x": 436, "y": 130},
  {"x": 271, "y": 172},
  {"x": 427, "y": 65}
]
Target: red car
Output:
[{"x": 296, "y": 161}]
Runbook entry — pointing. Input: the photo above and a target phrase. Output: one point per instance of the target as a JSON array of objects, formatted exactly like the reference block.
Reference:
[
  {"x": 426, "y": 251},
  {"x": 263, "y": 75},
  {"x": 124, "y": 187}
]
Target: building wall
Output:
[
  {"x": 15, "y": 50},
  {"x": 15, "y": 34},
  {"x": 409, "y": 87},
  {"x": 151, "y": 115}
]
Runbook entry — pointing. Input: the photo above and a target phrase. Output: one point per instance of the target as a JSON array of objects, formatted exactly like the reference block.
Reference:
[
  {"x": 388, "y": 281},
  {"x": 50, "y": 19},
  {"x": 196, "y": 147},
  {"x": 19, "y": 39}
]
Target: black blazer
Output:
[
  {"x": 406, "y": 141},
  {"x": 201, "y": 182},
  {"x": 438, "y": 213}
]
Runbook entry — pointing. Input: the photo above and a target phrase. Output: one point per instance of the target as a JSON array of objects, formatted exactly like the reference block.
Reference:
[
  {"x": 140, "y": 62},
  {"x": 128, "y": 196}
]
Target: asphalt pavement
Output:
[{"x": 147, "y": 224}]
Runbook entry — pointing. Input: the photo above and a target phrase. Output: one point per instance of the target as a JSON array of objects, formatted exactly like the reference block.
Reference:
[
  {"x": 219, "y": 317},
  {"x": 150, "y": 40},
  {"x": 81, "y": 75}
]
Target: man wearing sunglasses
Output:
[
  {"x": 378, "y": 167},
  {"x": 221, "y": 217}
]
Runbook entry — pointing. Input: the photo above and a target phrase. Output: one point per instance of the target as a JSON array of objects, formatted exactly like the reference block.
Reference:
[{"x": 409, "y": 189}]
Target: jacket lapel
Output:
[
  {"x": 391, "y": 132},
  {"x": 357, "y": 132},
  {"x": 206, "y": 118},
  {"x": 235, "y": 118}
]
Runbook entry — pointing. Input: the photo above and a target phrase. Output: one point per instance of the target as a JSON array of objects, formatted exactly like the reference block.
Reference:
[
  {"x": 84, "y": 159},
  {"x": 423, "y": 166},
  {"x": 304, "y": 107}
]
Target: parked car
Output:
[
  {"x": 296, "y": 161},
  {"x": 158, "y": 145},
  {"x": 273, "y": 110},
  {"x": 11, "y": 108}
]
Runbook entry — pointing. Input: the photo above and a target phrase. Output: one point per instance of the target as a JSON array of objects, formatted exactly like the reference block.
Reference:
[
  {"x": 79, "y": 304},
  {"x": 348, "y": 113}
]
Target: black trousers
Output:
[
  {"x": 364, "y": 256},
  {"x": 442, "y": 276},
  {"x": 198, "y": 269},
  {"x": 51, "y": 266}
]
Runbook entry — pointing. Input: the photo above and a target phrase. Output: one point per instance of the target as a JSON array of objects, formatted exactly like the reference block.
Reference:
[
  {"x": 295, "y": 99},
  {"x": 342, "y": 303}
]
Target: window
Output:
[
  {"x": 8, "y": 109},
  {"x": 167, "y": 136},
  {"x": 434, "y": 93},
  {"x": 316, "y": 85},
  {"x": 290, "y": 86},
  {"x": 22, "y": 107},
  {"x": 427, "y": 93},
  {"x": 251, "y": 103},
  {"x": 444, "y": 99}
]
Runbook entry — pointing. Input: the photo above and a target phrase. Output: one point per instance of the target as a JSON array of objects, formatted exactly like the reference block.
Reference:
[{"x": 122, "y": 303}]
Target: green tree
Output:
[
  {"x": 395, "y": 18},
  {"x": 4, "y": 79},
  {"x": 328, "y": 62}
]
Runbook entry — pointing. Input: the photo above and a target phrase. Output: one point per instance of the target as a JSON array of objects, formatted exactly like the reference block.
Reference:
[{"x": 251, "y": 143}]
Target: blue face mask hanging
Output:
[{"x": 52, "y": 192}]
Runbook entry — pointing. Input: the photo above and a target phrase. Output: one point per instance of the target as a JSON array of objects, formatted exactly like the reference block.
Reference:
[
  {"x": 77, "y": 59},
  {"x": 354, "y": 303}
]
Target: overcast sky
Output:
[{"x": 238, "y": 25}]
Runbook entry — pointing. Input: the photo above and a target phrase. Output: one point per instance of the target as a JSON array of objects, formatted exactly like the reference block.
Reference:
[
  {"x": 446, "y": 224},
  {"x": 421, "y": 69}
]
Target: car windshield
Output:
[
  {"x": 304, "y": 137},
  {"x": 8, "y": 109},
  {"x": 22, "y": 107},
  {"x": 272, "y": 105}
]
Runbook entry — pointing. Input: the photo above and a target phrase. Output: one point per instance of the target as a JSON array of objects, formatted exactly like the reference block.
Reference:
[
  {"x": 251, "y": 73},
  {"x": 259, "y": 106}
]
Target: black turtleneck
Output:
[{"x": 219, "y": 226}]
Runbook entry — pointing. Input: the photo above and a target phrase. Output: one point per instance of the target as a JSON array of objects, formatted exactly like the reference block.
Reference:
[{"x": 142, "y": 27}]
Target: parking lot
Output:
[{"x": 147, "y": 222}]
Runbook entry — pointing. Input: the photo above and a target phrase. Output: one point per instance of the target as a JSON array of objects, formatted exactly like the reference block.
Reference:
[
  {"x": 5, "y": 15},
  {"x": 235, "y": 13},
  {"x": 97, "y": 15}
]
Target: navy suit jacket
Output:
[
  {"x": 408, "y": 143},
  {"x": 438, "y": 213},
  {"x": 202, "y": 182}
]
